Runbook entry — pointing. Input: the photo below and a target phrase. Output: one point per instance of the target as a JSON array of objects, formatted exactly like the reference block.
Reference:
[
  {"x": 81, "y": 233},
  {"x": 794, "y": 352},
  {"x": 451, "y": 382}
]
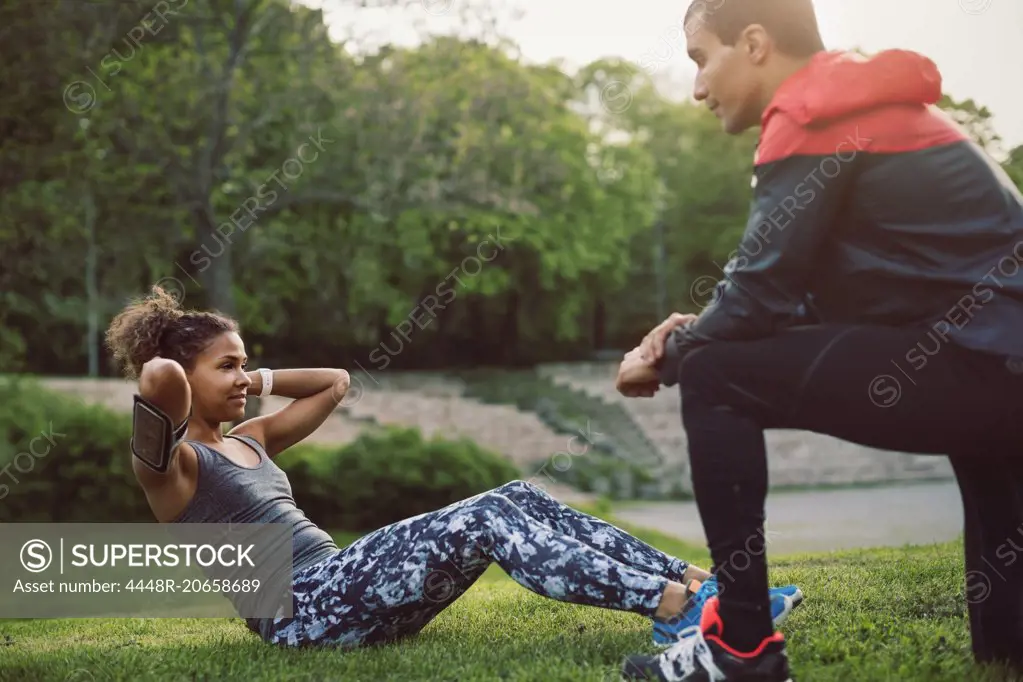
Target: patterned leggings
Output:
[{"x": 392, "y": 582}]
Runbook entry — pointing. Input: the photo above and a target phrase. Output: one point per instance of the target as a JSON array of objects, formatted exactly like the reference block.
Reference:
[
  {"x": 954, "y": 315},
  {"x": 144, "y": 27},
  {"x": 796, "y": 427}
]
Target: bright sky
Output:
[{"x": 977, "y": 44}]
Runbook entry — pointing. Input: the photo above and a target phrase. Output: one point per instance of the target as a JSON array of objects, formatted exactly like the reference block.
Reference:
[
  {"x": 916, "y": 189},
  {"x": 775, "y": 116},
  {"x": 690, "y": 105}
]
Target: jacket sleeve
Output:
[{"x": 764, "y": 288}]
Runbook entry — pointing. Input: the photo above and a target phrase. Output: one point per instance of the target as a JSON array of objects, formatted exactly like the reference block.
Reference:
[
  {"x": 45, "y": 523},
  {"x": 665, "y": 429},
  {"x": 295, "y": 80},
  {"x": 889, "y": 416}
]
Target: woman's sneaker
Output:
[
  {"x": 702, "y": 656},
  {"x": 667, "y": 631}
]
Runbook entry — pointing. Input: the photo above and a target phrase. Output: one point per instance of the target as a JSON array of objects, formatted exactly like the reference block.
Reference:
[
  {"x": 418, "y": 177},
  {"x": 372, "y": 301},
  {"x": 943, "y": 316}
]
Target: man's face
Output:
[{"x": 726, "y": 78}]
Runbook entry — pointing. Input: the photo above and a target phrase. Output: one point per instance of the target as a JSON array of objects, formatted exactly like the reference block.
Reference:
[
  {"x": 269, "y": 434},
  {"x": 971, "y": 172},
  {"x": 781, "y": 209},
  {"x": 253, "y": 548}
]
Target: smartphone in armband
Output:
[{"x": 154, "y": 437}]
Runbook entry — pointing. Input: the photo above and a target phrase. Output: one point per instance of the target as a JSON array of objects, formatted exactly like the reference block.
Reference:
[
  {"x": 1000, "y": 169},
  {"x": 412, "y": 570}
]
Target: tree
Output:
[
  {"x": 450, "y": 144},
  {"x": 975, "y": 121},
  {"x": 702, "y": 196},
  {"x": 1014, "y": 165}
]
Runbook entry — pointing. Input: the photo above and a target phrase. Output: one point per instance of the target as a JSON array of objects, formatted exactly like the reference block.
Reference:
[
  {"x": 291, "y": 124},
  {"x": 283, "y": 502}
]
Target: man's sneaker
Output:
[
  {"x": 701, "y": 656},
  {"x": 668, "y": 630}
]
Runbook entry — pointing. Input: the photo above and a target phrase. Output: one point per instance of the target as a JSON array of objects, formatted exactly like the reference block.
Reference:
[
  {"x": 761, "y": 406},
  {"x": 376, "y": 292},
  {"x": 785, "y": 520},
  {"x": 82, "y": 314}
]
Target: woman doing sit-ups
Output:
[{"x": 192, "y": 367}]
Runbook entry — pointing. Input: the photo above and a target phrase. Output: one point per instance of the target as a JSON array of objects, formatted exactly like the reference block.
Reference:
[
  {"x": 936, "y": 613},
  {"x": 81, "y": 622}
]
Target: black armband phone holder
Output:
[{"x": 154, "y": 437}]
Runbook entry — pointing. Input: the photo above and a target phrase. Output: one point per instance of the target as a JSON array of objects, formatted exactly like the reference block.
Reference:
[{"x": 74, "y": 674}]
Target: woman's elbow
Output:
[
  {"x": 164, "y": 383},
  {"x": 339, "y": 386}
]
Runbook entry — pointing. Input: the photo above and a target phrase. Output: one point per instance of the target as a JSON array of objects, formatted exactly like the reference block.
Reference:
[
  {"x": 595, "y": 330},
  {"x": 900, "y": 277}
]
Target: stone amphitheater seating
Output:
[
  {"x": 434, "y": 402},
  {"x": 794, "y": 457},
  {"x": 437, "y": 408}
]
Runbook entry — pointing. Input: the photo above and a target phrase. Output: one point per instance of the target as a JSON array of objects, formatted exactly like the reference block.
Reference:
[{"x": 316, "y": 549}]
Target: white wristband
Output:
[{"x": 268, "y": 381}]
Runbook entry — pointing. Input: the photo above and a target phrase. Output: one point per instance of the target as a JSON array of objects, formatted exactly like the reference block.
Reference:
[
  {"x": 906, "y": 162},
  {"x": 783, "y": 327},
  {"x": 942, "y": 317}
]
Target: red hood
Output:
[{"x": 837, "y": 84}]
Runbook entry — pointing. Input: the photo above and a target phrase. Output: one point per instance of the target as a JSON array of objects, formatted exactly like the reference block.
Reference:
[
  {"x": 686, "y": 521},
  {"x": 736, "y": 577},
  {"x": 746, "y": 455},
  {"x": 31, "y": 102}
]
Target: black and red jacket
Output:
[{"x": 871, "y": 206}]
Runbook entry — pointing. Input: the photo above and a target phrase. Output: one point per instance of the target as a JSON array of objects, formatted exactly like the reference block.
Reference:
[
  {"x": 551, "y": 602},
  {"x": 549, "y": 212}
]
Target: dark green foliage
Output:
[
  {"x": 389, "y": 475},
  {"x": 64, "y": 461}
]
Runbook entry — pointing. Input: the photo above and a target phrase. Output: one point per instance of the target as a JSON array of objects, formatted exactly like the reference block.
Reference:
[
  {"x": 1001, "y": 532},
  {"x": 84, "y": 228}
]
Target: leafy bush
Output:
[
  {"x": 389, "y": 475},
  {"x": 62, "y": 460}
]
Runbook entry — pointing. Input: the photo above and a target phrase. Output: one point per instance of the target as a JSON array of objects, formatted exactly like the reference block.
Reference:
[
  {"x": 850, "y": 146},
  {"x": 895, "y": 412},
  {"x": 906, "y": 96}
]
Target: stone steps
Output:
[
  {"x": 433, "y": 402},
  {"x": 795, "y": 458}
]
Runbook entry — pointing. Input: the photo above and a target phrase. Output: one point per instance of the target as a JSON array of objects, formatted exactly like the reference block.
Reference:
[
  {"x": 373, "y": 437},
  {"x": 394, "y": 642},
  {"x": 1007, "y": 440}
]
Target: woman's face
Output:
[{"x": 218, "y": 380}]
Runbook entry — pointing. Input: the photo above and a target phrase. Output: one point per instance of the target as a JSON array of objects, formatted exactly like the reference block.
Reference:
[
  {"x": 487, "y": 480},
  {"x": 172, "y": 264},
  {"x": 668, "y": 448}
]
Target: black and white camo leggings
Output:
[{"x": 392, "y": 582}]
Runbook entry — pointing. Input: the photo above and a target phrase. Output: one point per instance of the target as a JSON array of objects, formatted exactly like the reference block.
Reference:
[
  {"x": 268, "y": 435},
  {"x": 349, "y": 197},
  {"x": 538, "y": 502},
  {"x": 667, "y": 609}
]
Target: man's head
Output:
[{"x": 745, "y": 49}]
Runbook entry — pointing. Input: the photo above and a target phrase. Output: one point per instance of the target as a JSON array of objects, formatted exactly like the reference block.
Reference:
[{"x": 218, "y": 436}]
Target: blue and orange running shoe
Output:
[{"x": 668, "y": 631}]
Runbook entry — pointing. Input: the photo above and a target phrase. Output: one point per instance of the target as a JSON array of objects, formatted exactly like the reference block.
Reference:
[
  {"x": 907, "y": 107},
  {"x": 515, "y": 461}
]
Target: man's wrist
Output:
[{"x": 667, "y": 367}]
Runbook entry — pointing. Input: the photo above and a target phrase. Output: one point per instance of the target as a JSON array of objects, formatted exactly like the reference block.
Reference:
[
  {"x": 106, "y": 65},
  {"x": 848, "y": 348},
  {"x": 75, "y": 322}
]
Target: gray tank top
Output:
[{"x": 230, "y": 493}]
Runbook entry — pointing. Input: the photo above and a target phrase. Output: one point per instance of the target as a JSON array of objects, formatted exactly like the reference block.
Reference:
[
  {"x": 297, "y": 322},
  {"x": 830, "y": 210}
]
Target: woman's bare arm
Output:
[
  {"x": 296, "y": 383},
  {"x": 163, "y": 383},
  {"x": 317, "y": 393}
]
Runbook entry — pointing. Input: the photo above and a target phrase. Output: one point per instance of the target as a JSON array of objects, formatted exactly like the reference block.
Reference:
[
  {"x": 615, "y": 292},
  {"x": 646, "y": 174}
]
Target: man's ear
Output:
[{"x": 756, "y": 43}]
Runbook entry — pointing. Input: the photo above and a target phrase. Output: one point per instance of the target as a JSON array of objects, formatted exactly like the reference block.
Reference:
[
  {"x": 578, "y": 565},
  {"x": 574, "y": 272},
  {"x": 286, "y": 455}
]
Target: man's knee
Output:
[
  {"x": 700, "y": 371},
  {"x": 714, "y": 380}
]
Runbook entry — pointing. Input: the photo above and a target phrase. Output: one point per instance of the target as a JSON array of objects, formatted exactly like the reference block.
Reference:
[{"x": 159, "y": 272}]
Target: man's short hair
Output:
[{"x": 792, "y": 23}]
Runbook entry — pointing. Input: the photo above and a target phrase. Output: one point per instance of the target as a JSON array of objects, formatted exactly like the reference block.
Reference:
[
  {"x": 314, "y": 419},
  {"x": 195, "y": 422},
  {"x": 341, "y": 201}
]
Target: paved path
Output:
[{"x": 917, "y": 514}]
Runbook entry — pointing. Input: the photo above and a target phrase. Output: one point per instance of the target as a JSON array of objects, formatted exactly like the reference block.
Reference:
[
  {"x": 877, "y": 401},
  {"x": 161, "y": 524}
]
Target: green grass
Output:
[{"x": 892, "y": 614}]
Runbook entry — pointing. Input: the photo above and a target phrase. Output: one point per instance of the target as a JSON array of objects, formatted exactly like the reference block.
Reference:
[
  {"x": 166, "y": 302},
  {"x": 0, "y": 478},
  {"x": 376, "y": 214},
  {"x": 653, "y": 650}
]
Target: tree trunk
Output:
[
  {"x": 661, "y": 268},
  {"x": 510, "y": 330},
  {"x": 92, "y": 304},
  {"x": 599, "y": 326},
  {"x": 477, "y": 338},
  {"x": 213, "y": 258}
]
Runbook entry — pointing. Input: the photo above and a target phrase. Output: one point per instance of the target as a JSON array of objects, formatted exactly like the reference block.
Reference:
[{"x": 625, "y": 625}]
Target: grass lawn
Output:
[{"x": 869, "y": 615}]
